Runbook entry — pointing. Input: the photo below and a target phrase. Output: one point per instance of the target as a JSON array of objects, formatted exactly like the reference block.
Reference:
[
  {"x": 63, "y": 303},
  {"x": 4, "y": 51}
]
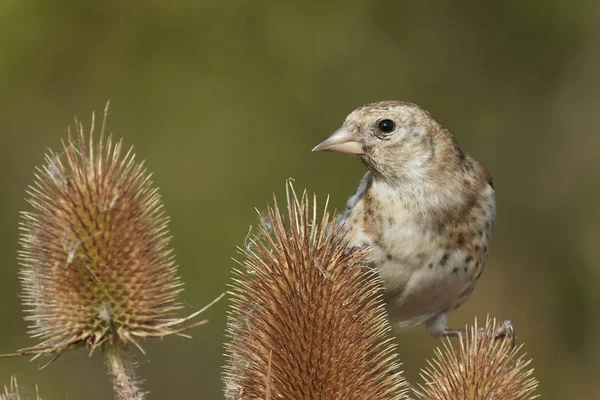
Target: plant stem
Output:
[{"x": 122, "y": 371}]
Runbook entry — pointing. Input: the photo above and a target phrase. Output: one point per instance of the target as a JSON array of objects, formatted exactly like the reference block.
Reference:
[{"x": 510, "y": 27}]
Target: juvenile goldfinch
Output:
[{"x": 425, "y": 208}]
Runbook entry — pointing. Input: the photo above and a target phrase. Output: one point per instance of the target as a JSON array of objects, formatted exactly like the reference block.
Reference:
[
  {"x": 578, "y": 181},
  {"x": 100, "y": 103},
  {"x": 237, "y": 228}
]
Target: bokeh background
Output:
[{"x": 225, "y": 101}]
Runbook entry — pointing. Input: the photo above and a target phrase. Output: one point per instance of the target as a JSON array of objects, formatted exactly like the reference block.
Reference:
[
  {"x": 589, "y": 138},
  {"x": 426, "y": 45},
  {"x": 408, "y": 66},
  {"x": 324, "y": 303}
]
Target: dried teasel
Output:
[
  {"x": 96, "y": 264},
  {"x": 307, "y": 319},
  {"x": 482, "y": 368}
]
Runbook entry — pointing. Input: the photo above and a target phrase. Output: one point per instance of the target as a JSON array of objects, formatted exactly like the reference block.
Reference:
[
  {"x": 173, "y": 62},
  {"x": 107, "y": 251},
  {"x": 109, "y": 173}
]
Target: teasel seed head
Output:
[
  {"x": 96, "y": 267},
  {"x": 307, "y": 319},
  {"x": 482, "y": 368}
]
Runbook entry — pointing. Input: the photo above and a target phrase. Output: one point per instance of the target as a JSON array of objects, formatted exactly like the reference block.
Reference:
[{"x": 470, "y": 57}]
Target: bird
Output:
[{"x": 425, "y": 210}]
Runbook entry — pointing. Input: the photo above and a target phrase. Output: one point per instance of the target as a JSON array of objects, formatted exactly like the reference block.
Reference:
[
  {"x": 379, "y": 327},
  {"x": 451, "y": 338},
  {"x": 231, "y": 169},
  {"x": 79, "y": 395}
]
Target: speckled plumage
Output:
[{"x": 425, "y": 208}]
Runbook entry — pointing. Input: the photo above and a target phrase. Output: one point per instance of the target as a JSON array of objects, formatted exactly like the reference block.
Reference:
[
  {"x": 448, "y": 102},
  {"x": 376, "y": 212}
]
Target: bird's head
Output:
[{"x": 392, "y": 137}]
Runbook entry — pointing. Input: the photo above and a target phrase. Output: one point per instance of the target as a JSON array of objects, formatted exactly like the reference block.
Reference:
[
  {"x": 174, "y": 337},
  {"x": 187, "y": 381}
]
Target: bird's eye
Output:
[{"x": 386, "y": 126}]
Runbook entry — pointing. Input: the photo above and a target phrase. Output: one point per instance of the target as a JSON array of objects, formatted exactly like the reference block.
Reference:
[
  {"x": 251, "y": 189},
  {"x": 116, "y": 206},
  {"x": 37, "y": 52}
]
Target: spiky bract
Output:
[
  {"x": 12, "y": 392},
  {"x": 307, "y": 319},
  {"x": 96, "y": 264},
  {"x": 482, "y": 368}
]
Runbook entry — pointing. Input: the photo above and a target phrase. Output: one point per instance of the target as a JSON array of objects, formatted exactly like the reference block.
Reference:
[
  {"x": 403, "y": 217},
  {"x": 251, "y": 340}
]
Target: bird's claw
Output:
[{"x": 507, "y": 331}]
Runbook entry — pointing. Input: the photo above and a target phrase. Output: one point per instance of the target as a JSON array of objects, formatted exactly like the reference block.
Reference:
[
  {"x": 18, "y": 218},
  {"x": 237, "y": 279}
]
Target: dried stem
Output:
[{"x": 122, "y": 370}]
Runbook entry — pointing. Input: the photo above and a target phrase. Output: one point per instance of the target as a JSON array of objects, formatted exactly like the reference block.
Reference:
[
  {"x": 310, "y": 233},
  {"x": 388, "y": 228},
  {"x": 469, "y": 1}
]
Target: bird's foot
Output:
[{"x": 506, "y": 331}]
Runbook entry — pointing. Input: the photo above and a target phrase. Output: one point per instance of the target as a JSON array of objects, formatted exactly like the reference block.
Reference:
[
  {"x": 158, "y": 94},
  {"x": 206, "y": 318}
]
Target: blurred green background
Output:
[{"x": 225, "y": 101}]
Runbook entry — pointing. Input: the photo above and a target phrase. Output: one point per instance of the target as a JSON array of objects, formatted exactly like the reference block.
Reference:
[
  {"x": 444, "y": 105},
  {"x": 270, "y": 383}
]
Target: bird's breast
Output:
[{"x": 426, "y": 266}]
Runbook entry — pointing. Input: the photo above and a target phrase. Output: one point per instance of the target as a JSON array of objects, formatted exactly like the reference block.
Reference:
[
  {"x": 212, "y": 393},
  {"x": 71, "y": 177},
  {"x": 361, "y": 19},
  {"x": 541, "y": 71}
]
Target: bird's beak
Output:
[{"x": 341, "y": 141}]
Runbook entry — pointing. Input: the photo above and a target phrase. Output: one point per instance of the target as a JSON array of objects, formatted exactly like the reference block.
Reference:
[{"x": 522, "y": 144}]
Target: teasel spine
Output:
[{"x": 12, "y": 391}]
